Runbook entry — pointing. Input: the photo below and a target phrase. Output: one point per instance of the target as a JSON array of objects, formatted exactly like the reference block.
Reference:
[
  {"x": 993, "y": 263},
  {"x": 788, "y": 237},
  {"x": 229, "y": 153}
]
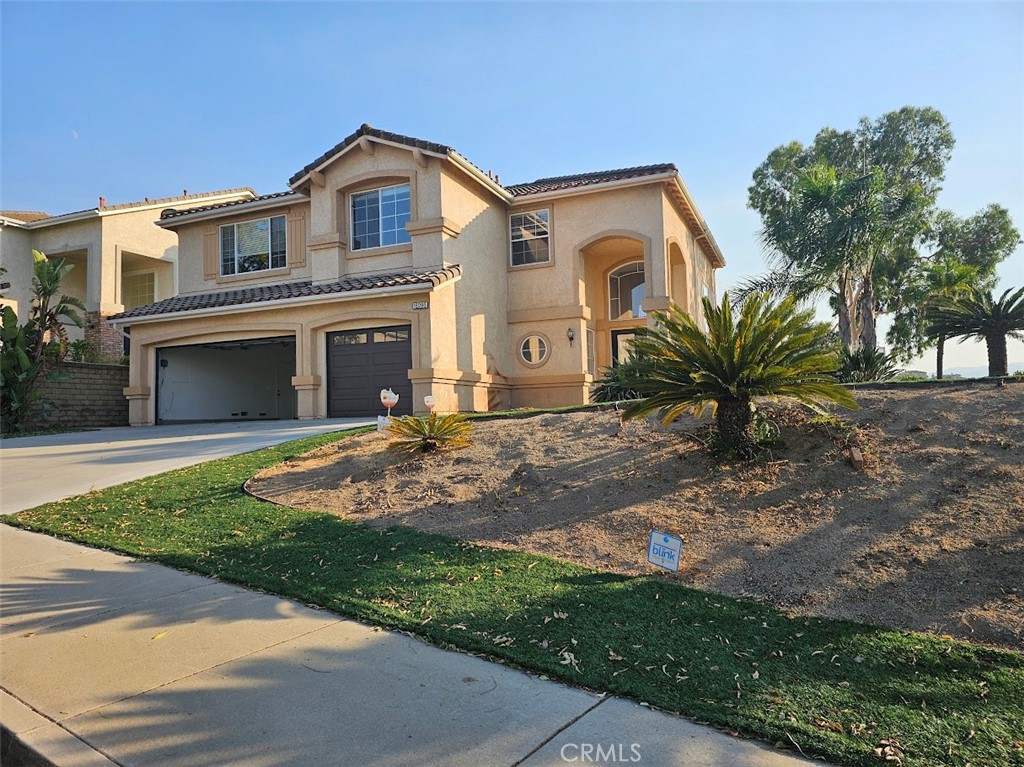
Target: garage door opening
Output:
[
  {"x": 226, "y": 381},
  {"x": 362, "y": 362}
]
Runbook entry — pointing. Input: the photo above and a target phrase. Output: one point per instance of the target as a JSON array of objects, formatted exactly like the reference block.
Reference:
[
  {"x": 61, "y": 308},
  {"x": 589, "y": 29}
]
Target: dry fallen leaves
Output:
[{"x": 890, "y": 750}]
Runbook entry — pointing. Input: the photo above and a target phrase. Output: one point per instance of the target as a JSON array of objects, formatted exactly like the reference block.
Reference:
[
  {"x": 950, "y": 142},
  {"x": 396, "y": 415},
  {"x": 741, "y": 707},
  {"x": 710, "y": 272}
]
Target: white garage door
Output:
[{"x": 229, "y": 381}]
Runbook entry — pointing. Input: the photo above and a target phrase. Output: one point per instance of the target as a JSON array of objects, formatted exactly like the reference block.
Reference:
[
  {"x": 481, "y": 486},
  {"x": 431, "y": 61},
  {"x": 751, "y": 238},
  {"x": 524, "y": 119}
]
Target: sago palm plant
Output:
[
  {"x": 769, "y": 349},
  {"x": 981, "y": 316},
  {"x": 425, "y": 435}
]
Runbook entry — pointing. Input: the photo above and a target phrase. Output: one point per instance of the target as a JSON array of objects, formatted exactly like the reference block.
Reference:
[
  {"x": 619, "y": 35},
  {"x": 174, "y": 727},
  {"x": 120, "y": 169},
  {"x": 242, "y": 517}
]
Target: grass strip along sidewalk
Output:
[{"x": 831, "y": 688}]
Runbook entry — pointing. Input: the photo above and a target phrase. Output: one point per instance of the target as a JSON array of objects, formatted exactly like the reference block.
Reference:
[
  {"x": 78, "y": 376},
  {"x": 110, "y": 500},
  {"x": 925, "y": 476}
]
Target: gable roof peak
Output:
[{"x": 369, "y": 131}]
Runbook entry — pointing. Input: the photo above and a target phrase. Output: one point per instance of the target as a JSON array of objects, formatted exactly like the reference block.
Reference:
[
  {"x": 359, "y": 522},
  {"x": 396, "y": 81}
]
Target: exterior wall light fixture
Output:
[{"x": 571, "y": 335}]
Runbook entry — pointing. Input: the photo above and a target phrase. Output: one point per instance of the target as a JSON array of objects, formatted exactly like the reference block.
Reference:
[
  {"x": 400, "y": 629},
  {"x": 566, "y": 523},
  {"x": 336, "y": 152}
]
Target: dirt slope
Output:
[{"x": 930, "y": 536}]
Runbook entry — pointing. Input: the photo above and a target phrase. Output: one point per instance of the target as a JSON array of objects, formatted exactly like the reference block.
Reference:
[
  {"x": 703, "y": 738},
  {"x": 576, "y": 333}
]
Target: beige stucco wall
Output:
[
  {"x": 698, "y": 271},
  {"x": 73, "y": 242},
  {"x": 16, "y": 258},
  {"x": 136, "y": 233},
  {"x": 190, "y": 256},
  {"x": 357, "y": 170},
  {"x": 481, "y": 296},
  {"x": 591, "y": 234}
]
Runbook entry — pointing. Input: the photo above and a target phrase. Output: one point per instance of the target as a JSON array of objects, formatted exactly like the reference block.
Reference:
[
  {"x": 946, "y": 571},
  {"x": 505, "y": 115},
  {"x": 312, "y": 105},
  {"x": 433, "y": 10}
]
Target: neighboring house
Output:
[
  {"x": 396, "y": 263},
  {"x": 122, "y": 258}
]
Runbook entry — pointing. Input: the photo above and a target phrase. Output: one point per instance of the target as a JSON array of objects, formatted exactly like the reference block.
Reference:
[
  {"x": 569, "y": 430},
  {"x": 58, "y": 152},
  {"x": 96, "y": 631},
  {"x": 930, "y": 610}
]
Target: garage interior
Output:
[{"x": 226, "y": 381}]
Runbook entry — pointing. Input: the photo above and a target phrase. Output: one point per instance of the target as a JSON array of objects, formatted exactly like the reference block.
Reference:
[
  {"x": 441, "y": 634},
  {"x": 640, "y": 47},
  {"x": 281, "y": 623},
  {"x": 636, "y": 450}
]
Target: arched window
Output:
[{"x": 626, "y": 292}]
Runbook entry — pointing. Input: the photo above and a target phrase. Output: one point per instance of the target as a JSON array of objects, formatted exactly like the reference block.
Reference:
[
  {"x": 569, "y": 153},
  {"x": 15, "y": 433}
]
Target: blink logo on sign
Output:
[{"x": 663, "y": 550}]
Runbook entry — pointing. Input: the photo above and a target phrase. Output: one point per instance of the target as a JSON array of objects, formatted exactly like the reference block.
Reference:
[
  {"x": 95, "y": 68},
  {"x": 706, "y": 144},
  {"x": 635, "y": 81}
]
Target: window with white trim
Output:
[
  {"x": 533, "y": 350},
  {"x": 379, "y": 217},
  {"x": 253, "y": 246},
  {"x": 626, "y": 291},
  {"x": 529, "y": 237}
]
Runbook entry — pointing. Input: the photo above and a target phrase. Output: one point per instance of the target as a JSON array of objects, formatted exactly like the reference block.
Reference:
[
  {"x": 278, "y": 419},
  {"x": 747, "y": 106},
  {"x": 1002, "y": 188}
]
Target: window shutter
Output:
[
  {"x": 296, "y": 240},
  {"x": 211, "y": 255}
]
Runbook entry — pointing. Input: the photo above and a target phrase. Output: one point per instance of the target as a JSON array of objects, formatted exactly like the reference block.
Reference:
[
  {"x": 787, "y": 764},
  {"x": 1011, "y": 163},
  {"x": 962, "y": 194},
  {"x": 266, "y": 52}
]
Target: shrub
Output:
[
  {"x": 615, "y": 384},
  {"x": 867, "y": 364},
  {"x": 426, "y": 435},
  {"x": 767, "y": 350}
]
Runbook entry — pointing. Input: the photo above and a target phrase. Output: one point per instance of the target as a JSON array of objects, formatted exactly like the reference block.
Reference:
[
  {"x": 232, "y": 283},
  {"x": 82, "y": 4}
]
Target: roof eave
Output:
[
  {"x": 350, "y": 295},
  {"x": 601, "y": 186},
  {"x": 705, "y": 230},
  {"x": 248, "y": 205}
]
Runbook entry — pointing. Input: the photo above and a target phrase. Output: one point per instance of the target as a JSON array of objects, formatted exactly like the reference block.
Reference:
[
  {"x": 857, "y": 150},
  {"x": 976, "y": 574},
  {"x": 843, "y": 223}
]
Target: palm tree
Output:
[
  {"x": 947, "y": 278},
  {"x": 978, "y": 315},
  {"x": 50, "y": 307},
  {"x": 769, "y": 350},
  {"x": 827, "y": 240}
]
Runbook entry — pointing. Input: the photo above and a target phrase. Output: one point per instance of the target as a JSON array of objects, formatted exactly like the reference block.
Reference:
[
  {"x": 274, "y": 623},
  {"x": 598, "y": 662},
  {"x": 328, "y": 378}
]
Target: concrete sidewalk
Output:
[
  {"x": 107, "y": 660},
  {"x": 36, "y": 470}
]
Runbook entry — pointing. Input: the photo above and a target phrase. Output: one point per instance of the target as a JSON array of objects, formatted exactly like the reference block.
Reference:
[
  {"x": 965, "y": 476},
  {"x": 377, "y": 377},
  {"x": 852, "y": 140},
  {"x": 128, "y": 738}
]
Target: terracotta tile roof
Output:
[
  {"x": 367, "y": 130},
  {"x": 142, "y": 203},
  {"x": 556, "y": 183},
  {"x": 24, "y": 215},
  {"x": 304, "y": 289},
  {"x": 175, "y": 212},
  {"x": 179, "y": 198}
]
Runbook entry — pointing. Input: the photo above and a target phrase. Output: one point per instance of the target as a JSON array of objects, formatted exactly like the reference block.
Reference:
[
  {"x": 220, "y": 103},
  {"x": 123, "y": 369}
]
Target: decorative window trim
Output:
[
  {"x": 522, "y": 342},
  {"x": 512, "y": 239},
  {"x": 281, "y": 255},
  {"x": 403, "y": 238},
  {"x": 613, "y": 296}
]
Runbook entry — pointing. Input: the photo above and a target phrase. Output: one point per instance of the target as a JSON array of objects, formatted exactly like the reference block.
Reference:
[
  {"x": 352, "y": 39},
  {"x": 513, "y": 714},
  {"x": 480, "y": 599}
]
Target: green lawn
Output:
[{"x": 832, "y": 688}]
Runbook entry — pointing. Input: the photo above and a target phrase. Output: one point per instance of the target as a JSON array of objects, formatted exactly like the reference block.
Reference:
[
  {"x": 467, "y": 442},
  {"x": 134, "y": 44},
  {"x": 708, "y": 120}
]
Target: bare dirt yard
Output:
[{"x": 929, "y": 536}]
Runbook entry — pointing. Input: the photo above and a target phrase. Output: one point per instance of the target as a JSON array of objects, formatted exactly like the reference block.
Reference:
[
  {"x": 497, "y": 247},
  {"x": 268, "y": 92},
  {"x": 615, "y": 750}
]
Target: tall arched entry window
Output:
[{"x": 626, "y": 291}]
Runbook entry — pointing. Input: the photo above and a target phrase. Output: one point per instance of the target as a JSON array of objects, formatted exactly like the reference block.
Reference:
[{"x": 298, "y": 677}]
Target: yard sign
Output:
[{"x": 663, "y": 550}]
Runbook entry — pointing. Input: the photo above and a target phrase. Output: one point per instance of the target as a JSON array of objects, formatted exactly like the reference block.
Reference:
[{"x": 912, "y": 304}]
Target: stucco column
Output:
[
  {"x": 307, "y": 380},
  {"x": 139, "y": 391},
  {"x": 656, "y": 271}
]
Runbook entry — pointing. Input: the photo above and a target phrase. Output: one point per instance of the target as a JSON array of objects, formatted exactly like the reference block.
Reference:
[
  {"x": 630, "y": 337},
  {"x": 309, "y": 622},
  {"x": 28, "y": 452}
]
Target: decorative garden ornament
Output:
[{"x": 388, "y": 399}]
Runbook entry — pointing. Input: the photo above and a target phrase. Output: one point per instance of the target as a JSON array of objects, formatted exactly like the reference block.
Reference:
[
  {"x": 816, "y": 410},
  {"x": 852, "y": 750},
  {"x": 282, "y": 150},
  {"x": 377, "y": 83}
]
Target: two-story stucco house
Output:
[
  {"x": 394, "y": 262},
  {"x": 122, "y": 259}
]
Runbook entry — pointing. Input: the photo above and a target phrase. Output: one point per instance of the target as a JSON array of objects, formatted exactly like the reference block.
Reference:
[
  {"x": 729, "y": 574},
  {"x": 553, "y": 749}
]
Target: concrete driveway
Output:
[{"x": 36, "y": 470}]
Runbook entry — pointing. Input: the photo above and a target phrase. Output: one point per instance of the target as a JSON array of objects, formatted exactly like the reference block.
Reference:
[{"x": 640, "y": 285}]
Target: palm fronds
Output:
[{"x": 425, "y": 435}]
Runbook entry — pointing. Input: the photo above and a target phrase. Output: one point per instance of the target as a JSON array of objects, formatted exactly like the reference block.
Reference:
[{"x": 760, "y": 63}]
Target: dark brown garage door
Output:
[{"x": 362, "y": 362}]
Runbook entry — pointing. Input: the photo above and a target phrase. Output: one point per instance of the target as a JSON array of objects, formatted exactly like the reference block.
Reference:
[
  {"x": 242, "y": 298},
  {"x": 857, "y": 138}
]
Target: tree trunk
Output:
[
  {"x": 940, "y": 353},
  {"x": 866, "y": 313},
  {"x": 844, "y": 304},
  {"x": 734, "y": 418},
  {"x": 997, "y": 363}
]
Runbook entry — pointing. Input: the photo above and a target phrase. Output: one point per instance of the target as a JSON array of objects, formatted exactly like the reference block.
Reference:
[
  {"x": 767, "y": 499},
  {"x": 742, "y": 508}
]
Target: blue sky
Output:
[{"x": 145, "y": 100}]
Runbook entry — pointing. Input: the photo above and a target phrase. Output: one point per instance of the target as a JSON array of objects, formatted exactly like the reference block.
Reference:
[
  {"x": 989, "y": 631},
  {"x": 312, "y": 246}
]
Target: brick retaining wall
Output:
[{"x": 87, "y": 396}]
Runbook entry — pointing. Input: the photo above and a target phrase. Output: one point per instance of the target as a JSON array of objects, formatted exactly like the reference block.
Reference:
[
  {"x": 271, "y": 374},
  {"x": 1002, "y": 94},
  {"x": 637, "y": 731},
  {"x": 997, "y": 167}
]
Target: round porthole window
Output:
[{"x": 534, "y": 350}]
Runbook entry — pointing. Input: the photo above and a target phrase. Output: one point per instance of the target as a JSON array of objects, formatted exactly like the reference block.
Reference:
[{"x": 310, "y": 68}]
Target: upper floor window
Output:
[
  {"x": 530, "y": 235},
  {"x": 253, "y": 246},
  {"x": 379, "y": 217},
  {"x": 626, "y": 292},
  {"x": 138, "y": 290}
]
